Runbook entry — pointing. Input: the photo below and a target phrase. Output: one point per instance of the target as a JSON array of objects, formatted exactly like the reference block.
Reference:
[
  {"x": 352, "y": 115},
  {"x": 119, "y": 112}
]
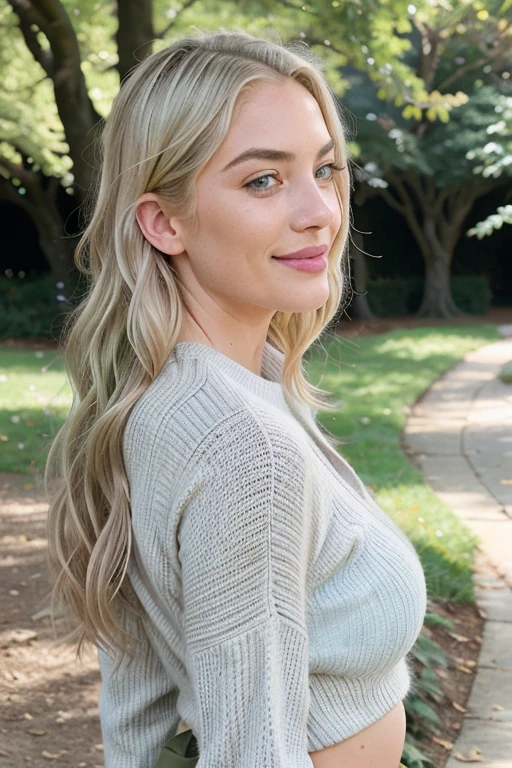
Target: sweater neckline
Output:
[{"x": 268, "y": 385}]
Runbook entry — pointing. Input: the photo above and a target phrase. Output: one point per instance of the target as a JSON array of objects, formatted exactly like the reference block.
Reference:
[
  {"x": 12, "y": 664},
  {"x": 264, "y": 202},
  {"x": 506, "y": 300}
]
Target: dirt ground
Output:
[{"x": 49, "y": 701}]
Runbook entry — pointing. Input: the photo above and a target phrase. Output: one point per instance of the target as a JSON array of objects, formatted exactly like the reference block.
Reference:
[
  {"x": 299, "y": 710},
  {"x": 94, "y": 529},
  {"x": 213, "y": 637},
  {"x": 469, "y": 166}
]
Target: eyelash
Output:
[{"x": 333, "y": 166}]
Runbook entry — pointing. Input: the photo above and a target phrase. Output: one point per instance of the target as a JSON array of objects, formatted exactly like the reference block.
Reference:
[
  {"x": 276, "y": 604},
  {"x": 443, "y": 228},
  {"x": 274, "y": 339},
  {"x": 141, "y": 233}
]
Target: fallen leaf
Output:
[
  {"x": 458, "y": 707},
  {"x": 18, "y": 637},
  {"x": 50, "y": 755},
  {"x": 36, "y": 732},
  {"x": 478, "y": 639},
  {"x": 446, "y": 744},
  {"x": 455, "y": 726},
  {"x": 459, "y": 638},
  {"x": 27, "y": 716},
  {"x": 482, "y": 613},
  {"x": 498, "y": 707},
  {"x": 506, "y": 482},
  {"x": 474, "y": 756},
  {"x": 465, "y": 669}
]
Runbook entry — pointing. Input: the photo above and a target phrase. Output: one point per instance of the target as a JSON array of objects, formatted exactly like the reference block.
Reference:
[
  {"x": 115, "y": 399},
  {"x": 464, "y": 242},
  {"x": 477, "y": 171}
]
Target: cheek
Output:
[
  {"x": 228, "y": 216},
  {"x": 336, "y": 215}
]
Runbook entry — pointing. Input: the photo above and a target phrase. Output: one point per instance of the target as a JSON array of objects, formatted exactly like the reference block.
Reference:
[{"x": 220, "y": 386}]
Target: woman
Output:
[{"x": 231, "y": 567}]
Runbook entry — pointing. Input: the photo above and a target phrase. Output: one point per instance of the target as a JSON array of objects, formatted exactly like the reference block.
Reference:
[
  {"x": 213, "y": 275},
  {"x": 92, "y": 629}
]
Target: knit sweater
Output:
[{"x": 280, "y": 601}]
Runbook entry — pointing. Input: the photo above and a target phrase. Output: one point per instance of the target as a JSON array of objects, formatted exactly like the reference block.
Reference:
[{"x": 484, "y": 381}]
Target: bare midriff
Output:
[{"x": 380, "y": 745}]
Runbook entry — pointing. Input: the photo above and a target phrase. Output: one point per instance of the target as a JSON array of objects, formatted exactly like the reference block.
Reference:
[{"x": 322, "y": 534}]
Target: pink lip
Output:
[{"x": 305, "y": 253}]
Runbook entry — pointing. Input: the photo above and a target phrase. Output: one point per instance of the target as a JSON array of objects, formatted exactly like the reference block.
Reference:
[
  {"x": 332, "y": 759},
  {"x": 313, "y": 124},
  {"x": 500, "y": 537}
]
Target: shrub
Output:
[{"x": 401, "y": 296}]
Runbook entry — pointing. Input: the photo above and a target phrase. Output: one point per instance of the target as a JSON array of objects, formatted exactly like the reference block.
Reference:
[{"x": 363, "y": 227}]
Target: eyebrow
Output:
[{"x": 274, "y": 154}]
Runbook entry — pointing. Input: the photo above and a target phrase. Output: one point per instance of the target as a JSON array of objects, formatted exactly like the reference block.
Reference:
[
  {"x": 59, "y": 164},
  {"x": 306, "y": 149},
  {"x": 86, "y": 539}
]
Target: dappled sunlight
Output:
[{"x": 49, "y": 698}]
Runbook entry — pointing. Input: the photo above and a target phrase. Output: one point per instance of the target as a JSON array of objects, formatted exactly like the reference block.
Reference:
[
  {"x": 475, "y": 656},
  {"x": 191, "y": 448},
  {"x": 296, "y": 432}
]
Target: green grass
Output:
[
  {"x": 35, "y": 398},
  {"x": 378, "y": 378}
]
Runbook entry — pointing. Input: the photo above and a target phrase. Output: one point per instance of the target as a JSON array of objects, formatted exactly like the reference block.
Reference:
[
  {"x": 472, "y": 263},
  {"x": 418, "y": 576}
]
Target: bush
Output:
[
  {"x": 471, "y": 294},
  {"x": 401, "y": 296},
  {"x": 506, "y": 373},
  {"x": 28, "y": 308}
]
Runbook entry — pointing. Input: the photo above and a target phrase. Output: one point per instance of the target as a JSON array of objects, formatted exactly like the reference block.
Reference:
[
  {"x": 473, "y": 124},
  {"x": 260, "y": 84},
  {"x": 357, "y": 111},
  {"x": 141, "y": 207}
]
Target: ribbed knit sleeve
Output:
[
  {"x": 244, "y": 543},
  {"x": 137, "y": 704}
]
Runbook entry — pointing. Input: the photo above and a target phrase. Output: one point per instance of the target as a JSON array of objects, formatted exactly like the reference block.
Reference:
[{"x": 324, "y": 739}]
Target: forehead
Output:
[{"x": 281, "y": 115}]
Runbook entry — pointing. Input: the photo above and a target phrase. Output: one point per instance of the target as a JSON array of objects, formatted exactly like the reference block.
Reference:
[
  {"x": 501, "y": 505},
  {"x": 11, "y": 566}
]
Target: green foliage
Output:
[
  {"x": 29, "y": 309},
  {"x": 495, "y": 221},
  {"x": 505, "y": 374},
  {"x": 401, "y": 296},
  {"x": 422, "y": 718},
  {"x": 471, "y": 294}
]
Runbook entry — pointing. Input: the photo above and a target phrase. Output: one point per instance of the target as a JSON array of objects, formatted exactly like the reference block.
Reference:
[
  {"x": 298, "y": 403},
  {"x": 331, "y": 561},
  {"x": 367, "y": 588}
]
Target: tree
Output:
[
  {"x": 70, "y": 58},
  {"x": 430, "y": 166},
  {"x": 66, "y": 61}
]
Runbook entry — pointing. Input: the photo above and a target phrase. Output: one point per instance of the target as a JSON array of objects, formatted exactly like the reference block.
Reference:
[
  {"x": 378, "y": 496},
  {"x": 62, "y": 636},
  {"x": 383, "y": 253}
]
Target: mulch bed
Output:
[{"x": 457, "y": 679}]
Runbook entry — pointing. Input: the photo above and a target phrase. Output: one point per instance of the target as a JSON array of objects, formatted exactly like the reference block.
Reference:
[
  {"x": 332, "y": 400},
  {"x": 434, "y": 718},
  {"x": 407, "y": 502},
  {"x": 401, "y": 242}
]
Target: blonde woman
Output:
[{"x": 232, "y": 569}]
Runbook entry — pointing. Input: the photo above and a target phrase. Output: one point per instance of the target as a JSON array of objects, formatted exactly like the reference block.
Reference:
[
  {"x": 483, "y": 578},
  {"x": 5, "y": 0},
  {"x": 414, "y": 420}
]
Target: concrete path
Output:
[{"x": 461, "y": 434}]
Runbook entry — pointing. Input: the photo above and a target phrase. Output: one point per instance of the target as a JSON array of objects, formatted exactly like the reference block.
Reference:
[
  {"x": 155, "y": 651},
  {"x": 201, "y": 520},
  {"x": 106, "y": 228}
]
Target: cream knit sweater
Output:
[{"x": 281, "y": 600}]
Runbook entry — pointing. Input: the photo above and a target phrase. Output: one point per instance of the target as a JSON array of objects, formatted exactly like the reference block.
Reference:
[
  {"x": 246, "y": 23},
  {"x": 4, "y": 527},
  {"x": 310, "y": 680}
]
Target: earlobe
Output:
[{"x": 156, "y": 226}]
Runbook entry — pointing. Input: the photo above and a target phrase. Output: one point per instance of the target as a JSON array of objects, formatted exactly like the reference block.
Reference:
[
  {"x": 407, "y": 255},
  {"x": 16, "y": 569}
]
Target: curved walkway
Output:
[{"x": 460, "y": 432}]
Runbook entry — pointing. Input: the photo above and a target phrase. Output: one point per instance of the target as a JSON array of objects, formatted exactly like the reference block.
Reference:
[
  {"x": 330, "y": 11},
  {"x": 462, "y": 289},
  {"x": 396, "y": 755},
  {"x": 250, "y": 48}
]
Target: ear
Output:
[{"x": 157, "y": 225}]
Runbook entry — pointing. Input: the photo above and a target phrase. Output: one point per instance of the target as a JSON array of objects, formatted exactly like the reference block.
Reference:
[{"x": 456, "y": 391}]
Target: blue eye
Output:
[{"x": 249, "y": 185}]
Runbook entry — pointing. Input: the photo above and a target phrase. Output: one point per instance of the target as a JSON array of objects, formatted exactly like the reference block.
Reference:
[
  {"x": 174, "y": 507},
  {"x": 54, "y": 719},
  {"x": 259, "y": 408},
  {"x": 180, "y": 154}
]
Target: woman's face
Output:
[{"x": 249, "y": 211}]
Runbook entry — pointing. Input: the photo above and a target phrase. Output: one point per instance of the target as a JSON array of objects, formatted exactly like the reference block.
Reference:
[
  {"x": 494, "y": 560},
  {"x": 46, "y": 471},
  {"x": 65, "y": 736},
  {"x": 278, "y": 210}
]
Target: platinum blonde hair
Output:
[{"x": 169, "y": 117}]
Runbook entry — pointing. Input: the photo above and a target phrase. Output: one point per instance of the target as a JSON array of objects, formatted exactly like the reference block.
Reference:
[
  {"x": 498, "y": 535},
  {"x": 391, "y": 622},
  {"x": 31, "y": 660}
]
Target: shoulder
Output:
[{"x": 189, "y": 413}]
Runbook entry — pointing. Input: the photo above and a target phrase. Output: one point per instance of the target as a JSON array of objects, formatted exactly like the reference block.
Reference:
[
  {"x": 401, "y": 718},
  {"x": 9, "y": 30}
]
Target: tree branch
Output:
[
  {"x": 409, "y": 212},
  {"x": 134, "y": 33},
  {"x": 160, "y": 35},
  {"x": 472, "y": 65},
  {"x": 76, "y": 111},
  {"x": 17, "y": 171},
  {"x": 28, "y": 17},
  {"x": 440, "y": 200},
  {"x": 430, "y": 54},
  {"x": 9, "y": 194},
  {"x": 392, "y": 201}
]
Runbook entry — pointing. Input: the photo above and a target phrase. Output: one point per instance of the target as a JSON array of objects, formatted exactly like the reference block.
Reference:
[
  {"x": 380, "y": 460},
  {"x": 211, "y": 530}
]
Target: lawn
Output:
[
  {"x": 35, "y": 398},
  {"x": 376, "y": 378}
]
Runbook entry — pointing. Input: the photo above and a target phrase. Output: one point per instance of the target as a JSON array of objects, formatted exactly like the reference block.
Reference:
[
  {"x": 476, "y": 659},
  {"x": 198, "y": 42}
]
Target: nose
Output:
[{"x": 312, "y": 206}]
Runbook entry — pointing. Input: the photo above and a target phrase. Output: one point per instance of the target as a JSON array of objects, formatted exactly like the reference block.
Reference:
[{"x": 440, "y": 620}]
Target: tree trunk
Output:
[
  {"x": 40, "y": 203},
  {"x": 437, "y": 294},
  {"x": 134, "y": 34},
  {"x": 360, "y": 307}
]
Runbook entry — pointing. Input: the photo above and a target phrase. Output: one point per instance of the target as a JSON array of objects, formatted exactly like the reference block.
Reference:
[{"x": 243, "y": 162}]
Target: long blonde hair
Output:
[{"x": 170, "y": 116}]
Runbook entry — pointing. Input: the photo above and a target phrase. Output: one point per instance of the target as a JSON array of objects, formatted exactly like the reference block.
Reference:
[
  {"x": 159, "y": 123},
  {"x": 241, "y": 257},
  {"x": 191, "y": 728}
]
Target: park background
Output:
[{"x": 425, "y": 92}]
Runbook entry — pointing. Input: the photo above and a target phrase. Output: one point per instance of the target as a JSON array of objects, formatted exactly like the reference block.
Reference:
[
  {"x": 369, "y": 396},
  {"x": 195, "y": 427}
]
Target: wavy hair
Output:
[{"x": 169, "y": 117}]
